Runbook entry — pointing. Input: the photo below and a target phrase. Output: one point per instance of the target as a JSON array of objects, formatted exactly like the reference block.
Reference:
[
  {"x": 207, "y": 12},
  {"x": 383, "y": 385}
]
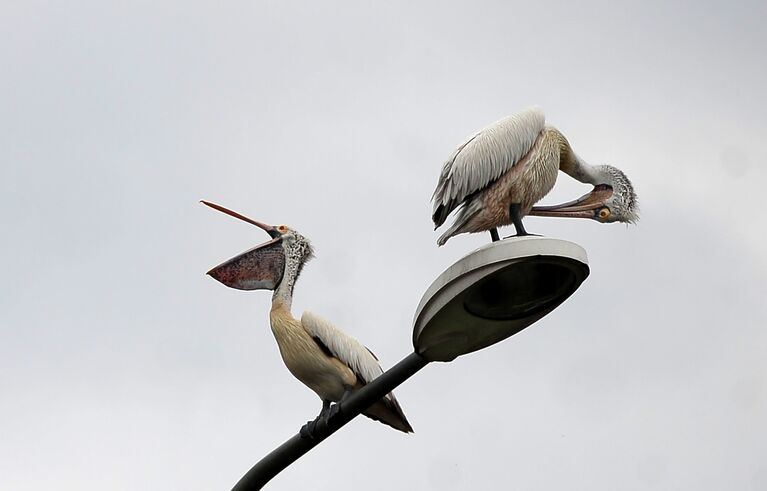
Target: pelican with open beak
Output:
[{"x": 324, "y": 358}]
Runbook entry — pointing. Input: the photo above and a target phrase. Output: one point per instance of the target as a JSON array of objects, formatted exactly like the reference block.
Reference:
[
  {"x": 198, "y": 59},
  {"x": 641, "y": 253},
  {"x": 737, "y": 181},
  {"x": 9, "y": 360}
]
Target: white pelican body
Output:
[
  {"x": 498, "y": 174},
  {"x": 323, "y": 357},
  {"x": 330, "y": 362},
  {"x": 325, "y": 375}
]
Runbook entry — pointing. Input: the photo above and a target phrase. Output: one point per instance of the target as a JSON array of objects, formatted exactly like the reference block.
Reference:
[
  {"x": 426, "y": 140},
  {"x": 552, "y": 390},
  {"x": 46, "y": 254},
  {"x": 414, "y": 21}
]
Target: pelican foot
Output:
[
  {"x": 307, "y": 430},
  {"x": 314, "y": 429},
  {"x": 335, "y": 409}
]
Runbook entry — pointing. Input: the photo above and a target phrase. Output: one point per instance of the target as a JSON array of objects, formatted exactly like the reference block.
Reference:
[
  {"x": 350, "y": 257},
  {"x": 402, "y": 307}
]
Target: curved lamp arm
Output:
[{"x": 295, "y": 447}]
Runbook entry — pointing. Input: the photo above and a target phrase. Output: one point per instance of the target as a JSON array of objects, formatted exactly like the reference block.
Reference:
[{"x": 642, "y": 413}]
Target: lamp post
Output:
[{"x": 485, "y": 297}]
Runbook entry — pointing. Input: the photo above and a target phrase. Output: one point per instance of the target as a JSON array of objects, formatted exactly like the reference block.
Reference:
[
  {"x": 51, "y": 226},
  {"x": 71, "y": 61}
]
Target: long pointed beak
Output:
[
  {"x": 586, "y": 206},
  {"x": 273, "y": 233},
  {"x": 259, "y": 268}
]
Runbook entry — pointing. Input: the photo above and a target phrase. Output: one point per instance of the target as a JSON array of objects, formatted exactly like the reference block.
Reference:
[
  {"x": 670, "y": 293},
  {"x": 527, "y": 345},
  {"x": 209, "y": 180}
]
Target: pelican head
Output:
[
  {"x": 612, "y": 200},
  {"x": 264, "y": 266}
]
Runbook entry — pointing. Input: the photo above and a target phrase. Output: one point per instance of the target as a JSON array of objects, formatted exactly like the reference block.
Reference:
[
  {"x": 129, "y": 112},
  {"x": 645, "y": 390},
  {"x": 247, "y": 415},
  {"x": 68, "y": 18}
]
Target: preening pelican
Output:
[
  {"x": 317, "y": 353},
  {"x": 498, "y": 174}
]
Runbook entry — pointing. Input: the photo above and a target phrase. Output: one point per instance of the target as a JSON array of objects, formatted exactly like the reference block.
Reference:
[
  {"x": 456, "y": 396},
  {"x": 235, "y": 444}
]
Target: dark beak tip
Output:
[{"x": 218, "y": 275}]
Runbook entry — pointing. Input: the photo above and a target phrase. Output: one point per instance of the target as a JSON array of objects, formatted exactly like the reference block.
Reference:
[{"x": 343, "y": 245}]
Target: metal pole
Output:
[{"x": 294, "y": 448}]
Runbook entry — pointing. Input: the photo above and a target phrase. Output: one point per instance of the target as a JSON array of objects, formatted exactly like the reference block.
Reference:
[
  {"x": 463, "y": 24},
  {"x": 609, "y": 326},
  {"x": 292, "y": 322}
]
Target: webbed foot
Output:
[{"x": 315, "y": 429}]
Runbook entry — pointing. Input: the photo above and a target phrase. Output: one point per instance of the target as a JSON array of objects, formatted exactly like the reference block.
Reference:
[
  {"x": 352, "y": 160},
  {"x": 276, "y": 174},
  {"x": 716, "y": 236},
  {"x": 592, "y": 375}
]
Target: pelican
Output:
[
  {"x": 497, "y": 175},
  {"x": 324, "y": 358}
]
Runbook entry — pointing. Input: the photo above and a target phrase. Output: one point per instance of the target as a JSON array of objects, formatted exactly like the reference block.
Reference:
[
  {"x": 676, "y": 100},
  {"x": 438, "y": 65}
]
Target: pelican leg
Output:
[
  {"x": 494, "y": 234},
  {"x": 319, "y": 424},
  {"x": 334, "y": 409},
  {"x": 516, "y": 218},
  {"x": 515, "y": 212},
  {"x": 325, "y": 408}
]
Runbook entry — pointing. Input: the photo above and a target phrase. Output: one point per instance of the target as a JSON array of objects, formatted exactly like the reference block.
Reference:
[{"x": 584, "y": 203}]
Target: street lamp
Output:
[
  {"x": 485, "y": 297},
  {"x": 495, "y": 292}
]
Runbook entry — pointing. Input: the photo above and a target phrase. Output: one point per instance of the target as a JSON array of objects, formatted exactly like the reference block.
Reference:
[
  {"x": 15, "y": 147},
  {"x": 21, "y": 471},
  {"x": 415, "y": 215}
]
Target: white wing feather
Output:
[
  {"x": 487, "y": 155},
  {"x": 344, "y": 347}
]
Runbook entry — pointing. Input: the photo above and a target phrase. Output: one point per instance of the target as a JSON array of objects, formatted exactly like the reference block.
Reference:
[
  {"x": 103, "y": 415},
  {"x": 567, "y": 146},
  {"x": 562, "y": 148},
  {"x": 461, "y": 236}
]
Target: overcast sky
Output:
[{"x": 124, "y": 367}]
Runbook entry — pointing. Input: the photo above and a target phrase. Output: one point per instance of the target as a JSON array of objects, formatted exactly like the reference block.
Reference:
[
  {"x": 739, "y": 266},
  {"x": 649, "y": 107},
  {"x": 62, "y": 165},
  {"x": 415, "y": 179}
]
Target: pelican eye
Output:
[
  {"x": 282, "y": 229},
  {"x": 603, "y": 213}
]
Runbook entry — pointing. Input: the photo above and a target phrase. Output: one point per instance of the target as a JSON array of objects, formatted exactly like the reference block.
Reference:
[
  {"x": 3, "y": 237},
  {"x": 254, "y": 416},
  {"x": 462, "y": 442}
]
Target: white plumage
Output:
[
  {"x": 351, "y": 352},
  {"x": 486, "y": 156}
]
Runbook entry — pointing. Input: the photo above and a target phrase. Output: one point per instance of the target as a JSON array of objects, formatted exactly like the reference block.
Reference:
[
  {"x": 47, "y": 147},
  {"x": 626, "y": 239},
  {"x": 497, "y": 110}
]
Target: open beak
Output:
[
  {"x": 587, "y": 206},
  {"x": 260, "y": 268},
  {"x": 273, "y": 233}
]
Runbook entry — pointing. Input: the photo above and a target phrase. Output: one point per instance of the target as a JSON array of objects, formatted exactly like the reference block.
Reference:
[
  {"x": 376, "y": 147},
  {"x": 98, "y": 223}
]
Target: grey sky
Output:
[{"x": 123, "y": 367}]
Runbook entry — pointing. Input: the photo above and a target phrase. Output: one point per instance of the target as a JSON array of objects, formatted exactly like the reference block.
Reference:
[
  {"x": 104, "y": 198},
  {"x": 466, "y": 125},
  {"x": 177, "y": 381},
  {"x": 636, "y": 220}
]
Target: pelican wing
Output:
[
  {"x": 344, "y": 347},
  {"x": 484, "y": 158},
  {"x": 363, "y": 363}
]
